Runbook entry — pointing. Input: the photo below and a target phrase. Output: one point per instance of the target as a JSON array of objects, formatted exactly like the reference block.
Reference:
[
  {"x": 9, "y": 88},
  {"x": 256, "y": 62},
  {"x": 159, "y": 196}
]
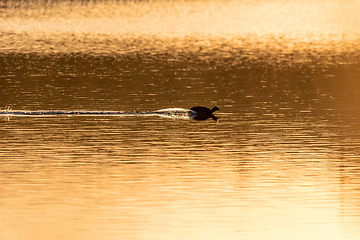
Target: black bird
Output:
[{"x": 203, "y": 113}]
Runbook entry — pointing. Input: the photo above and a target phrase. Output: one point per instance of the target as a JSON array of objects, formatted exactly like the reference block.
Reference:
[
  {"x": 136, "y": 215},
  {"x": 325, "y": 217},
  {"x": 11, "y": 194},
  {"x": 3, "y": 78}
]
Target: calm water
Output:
[{"x": 282, "y": 162}]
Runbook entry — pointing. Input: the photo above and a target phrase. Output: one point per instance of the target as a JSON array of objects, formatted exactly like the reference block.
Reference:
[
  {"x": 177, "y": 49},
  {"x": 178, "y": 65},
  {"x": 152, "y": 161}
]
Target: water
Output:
[{"x": 282, "y": 162}]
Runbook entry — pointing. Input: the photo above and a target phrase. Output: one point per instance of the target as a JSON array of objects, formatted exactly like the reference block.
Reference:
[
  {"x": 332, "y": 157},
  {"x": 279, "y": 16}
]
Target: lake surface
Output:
[{"x": 282, "y": 162}]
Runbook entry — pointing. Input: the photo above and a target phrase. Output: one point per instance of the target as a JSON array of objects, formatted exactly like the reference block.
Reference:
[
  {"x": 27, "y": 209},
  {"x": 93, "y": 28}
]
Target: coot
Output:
[{"x": 203, "y": 113}]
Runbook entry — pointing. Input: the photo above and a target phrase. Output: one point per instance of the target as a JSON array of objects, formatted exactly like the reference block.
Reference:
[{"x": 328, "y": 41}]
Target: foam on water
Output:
[
  {"x": 173, "y": 113},
  {"x": 173, "y": 110},
  {"x": 168, "y": 113}
]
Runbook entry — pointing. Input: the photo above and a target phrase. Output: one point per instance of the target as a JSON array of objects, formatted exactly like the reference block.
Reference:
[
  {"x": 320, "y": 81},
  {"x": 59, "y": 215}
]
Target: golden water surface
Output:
[{"x": 282, "y": 162}]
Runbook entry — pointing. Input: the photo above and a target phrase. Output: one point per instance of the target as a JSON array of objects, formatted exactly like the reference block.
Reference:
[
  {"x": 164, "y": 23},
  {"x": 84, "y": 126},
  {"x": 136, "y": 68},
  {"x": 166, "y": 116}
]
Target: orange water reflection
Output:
[
  {"x": 90, "y": 183},
  {"x": 281, "y": 164}
]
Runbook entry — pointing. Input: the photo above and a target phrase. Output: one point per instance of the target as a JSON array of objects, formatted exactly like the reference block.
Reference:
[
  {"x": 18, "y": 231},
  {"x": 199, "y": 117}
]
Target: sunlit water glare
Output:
[{"x": 107, "y": 26}]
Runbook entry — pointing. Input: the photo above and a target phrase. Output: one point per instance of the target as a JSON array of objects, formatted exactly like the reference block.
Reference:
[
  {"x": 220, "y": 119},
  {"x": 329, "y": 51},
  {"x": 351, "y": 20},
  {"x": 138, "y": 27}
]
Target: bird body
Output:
[{"x": 203, "y": 113}]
